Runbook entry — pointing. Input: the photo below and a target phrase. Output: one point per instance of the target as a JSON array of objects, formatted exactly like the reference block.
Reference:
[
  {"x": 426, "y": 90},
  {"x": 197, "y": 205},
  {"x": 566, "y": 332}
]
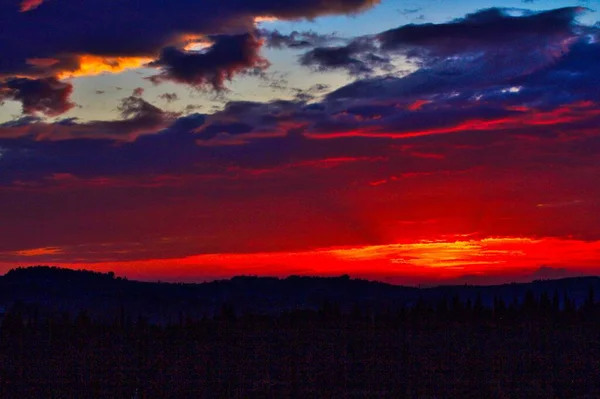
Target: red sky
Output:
[{"x": 424, "y": 151}]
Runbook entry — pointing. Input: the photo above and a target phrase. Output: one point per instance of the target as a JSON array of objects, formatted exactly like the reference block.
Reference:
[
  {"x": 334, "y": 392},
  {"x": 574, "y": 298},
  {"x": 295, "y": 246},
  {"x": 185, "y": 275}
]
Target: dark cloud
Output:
[
  {"x": 191, "y": 108},
  {"x": 458, "y": 65},
  {"x": 465, "y": 97},
  {"x": 47, "y": 96},
  {"x": 169, "y": 97},
  {"x": 569, "y": 79},
  {"x": 437, "y": 99},
  {"x": 301, "y": 9},
  {"x": 138, "y": 117},
  {"x": 88, "y": 150},
  {"x": 124, "y": 29},
  {"x": 488, "y": 42},
  {"x": 272, "y": 118},
  {"x": 359, "y": 57},
  {"x": 233, "y": 128},
  {"x": 310, "y": 93},
  {"x": 296, "y": 40},
  {"x": 484, "y": 30},
  {"x": 408, "y": 11},
  {"x": 73, "y": 32},
  {"x": 228, "y": 55}
]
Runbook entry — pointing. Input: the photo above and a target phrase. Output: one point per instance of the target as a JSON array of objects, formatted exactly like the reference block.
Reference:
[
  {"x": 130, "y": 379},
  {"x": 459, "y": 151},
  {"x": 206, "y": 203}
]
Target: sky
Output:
[{"x": 413, "y": 142}]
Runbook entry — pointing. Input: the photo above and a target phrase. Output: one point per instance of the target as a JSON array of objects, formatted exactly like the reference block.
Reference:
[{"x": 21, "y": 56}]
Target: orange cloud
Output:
[
  {"x": 90, "y": 65},
  {"x": 39, "y": 252},
  {"x": 193, "y": 42},
  {"x": 267, "y": 18}
]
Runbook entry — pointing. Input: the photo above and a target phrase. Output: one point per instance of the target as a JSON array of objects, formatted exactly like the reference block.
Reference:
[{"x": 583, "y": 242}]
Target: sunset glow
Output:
[
  {"x": 416, "y": 144},
  {"x": 485, "y": 260}
]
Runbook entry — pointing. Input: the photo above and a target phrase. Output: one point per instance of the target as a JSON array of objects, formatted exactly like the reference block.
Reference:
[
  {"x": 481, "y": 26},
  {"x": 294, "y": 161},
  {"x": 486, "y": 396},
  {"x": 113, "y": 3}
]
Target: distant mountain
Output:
[{"x": 105, "y": 295}]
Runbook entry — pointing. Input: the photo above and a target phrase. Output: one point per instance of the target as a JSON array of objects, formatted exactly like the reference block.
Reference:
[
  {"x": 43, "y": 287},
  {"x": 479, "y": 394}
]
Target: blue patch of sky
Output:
[{"x": 393, "y": 13}]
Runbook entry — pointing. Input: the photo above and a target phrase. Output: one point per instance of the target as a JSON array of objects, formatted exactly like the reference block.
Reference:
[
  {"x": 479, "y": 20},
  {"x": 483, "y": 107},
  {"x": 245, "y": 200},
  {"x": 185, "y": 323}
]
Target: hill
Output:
[{"x": 104, "y": 294}]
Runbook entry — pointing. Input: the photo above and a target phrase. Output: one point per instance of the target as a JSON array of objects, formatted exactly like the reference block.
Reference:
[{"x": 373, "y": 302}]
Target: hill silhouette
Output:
[{"x": 103, "y": 294}]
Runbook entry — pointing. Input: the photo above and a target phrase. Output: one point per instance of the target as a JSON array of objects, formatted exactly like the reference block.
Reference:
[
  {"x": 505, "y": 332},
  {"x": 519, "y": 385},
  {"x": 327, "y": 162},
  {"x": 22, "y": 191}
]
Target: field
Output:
[{"x": 300, "y": 357}]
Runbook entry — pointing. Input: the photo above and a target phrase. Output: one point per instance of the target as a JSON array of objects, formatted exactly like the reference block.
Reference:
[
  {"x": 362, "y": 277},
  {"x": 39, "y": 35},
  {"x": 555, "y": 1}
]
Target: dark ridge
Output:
[{"x": 104, "y": 293}]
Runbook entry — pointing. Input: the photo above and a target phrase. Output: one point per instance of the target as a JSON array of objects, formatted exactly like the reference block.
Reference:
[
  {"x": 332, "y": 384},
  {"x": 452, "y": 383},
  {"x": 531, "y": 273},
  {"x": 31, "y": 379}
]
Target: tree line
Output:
[{"x": 535, "y": 346}]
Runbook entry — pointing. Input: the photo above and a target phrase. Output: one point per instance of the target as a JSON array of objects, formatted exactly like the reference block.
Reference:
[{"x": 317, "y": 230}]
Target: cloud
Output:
[
  {"x": 138, "y": 117},
  {"x": 468, "y": 143},
  {"x": 28, "y": 5},
  {"x": 77, "y": 42},
  {"x": 408, "y": 11},
  {"x": 233, "y": 129},
  {"x": 568, "y": 79},
  {"x": 47, "y": 96},
  {"x": 39, "y": 252},
  {"x": 308, "y": 9},
  {"x": 487, "y": 42},
  {"x": 272, "y": 119},
  {"x": 434, "y": 100},
  {"x": 358, "y": 58},
  {"x": 296, "y": 40},
  {"x": 311, "y": 93},
  {"x": 72, "y": 30},
  {"x": 456, "y": 64},
  {"x": 228, "y": 55},
  {"x": 314, "y": 182},
  {"x": 483, "y": 30},
  {"x": 169, "y": 97}
]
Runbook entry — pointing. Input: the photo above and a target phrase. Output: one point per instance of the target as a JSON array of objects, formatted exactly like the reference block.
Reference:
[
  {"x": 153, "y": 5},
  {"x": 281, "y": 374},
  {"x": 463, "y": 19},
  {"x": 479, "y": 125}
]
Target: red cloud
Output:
[
  {"x": 28, "y": 5},
  {"x": 525, "y": 117}
]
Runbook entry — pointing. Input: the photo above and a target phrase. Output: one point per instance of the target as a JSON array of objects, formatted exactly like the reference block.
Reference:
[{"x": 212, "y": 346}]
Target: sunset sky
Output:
[{"x": 415, "y": 142}]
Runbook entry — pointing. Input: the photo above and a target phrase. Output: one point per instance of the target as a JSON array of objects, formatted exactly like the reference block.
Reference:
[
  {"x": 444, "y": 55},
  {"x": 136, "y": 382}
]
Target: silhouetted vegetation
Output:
[{"x": 538, "y": 345}]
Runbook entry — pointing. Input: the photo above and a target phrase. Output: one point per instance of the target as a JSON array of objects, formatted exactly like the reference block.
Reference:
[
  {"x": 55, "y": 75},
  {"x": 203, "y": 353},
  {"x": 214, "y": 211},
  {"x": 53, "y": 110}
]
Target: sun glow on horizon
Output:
[
  {"x": 427, "y": 260},
  {"x": 441, "y": 253}
]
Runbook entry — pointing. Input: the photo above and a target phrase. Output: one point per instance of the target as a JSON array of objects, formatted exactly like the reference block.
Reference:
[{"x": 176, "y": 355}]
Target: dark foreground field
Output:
[
  {"x": 79, "y": 334},
  {"x": 301, "y": 356}
]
